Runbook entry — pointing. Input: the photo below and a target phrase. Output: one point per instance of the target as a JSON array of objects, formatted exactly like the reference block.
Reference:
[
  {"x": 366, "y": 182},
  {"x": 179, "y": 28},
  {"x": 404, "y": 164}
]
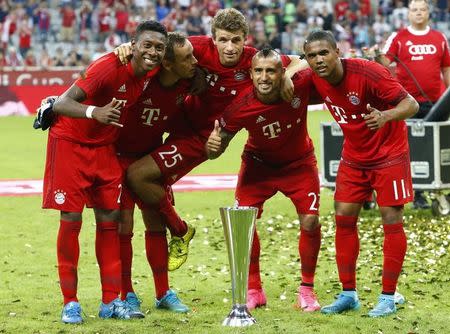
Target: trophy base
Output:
[{"x": 239, "y": 317}]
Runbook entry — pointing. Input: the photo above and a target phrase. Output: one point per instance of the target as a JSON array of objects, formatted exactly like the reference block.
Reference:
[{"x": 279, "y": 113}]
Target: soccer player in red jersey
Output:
[
  {"x": 370, "y": 107},
  {"x": 278, "y": 156},
  {"x": 422, "y": 62},
  {"x": 144, "y": 125},
  {"x": 82, "y": 168},
  {"x": 228, "y": 62}
]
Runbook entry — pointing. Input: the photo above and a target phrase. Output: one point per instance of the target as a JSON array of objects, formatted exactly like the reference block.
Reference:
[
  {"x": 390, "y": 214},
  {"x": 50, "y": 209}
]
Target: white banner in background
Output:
[{"x": 187, "y": 183}]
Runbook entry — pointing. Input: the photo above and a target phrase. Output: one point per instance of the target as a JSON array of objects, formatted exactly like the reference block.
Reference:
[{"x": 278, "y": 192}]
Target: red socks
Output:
[
  {"x": 68, "y": 252},
  {"x": 126, "y": 258},
  {"x": 107, "y": 250},
  {"x": 308, "y": 248},
  {"x": 254, "y": 277},
  {"x": 394, "y": 250},
  {"x": 175, "y": 224},
  {"x": 347, "y": 250},
  {"x": 157, "y": 256}
]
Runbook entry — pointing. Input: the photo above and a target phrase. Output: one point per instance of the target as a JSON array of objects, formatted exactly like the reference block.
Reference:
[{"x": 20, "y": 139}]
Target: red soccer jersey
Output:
[
  {"x": 225, "y": 83},
  {"x": 156, "y": 112},
  {"x": 104, "y": 80},
  {"x": 277, "y": 132},
  {"x": 424, "y": 53},
  {"x": 365, "y": 82}
]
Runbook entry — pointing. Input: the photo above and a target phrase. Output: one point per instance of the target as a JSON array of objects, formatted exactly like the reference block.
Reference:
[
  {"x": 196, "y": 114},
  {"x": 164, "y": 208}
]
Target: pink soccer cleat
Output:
[
  {"x": 256, "y": 298},
  {"x": 307, "y": 299}
]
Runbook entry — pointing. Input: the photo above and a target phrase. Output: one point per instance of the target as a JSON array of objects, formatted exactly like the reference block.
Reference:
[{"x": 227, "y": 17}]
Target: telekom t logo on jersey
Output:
[
  {"x": 272, "y": 130},
  {"x": 341, "y": 117},
  {"x": 149, "y": 115}
]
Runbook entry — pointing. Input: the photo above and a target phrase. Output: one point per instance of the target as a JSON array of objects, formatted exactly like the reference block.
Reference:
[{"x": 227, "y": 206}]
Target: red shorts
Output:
[
  {"x": 393, "y": 184},
  {"x": 178, "y": 156},
  {"x": 78, "y": 175},
  {"x": 129, "y": 199},
  {"x": 299, "y": 182}
]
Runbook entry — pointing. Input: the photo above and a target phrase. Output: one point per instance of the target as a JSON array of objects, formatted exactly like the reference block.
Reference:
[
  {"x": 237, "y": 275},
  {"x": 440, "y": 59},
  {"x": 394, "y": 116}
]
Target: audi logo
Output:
[{"x": 422, "y": 49}]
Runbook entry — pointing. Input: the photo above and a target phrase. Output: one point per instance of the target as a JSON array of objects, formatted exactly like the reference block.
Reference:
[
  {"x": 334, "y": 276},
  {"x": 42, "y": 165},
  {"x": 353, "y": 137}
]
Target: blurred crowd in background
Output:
[{"x": 74, "y": 33}]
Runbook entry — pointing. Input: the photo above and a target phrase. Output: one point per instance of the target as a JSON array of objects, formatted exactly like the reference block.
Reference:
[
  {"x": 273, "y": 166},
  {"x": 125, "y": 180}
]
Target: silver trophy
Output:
[{"x": 238, "y": 226}]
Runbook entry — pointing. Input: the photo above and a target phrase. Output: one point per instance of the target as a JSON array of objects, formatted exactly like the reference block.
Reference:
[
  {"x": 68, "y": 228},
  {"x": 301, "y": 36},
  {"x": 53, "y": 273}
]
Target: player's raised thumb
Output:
[
  {"x": 370, "y": 108},
  {"x": 216, "y": 126}
]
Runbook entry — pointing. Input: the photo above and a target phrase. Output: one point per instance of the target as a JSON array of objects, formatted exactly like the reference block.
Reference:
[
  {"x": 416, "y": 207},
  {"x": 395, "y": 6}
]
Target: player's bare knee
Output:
[
  {"x": 347, "y": 209},
  {"x": 391, "y": 214},
  {"x": 309, "y": 222},
  {"x": 71, "y": 216},
  {"x": 105, "y": 215}
]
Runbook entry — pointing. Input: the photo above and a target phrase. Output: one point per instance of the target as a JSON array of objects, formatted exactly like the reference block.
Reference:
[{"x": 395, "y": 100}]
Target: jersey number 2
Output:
[{"x": 313, "y": 206}]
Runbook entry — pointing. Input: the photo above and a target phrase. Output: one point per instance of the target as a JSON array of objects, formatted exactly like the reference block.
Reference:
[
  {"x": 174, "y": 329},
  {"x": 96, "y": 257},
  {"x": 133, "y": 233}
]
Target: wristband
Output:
[{"x": 89, "y": 111}]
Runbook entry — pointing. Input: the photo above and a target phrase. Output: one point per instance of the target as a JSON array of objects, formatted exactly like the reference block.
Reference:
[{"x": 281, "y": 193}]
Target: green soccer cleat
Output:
[
  {"x": 171, "y": 302},
  {"x": 179, "y": 249}
]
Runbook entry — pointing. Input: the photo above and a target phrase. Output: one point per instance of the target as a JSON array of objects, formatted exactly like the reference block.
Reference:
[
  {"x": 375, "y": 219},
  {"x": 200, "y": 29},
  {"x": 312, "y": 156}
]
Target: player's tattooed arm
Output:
[
  {"x": 406, "y": 108},
  {"x": 68, "y": 104},
  {"x": 218, "y": 141}
]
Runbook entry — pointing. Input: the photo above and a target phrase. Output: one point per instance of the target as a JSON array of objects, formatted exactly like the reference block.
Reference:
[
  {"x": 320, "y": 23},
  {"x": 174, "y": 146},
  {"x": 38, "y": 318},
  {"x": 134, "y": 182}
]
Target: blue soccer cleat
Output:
[
  {"x": 341, "y": 304},
  {"x": 385, "y": 307},
  {"x": 71, "y": 313},
  {"x": 135, "y": 304},
  {"x": 117, "y": 309},
  {"x": 399, "y": 298},
  {"x": 171, "y": 302}
]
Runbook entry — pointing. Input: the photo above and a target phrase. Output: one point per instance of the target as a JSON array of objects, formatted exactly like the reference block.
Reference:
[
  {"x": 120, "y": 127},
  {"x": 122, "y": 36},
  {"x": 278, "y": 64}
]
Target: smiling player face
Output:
[
  {"x": 267, "y": 74},
  {"x": 148, "y": 51},
  {"x": 230, "y": 45}
]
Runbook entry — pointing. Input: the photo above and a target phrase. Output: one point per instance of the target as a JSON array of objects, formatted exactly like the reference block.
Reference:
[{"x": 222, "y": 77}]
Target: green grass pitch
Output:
[{"x": 30, "y": 299}]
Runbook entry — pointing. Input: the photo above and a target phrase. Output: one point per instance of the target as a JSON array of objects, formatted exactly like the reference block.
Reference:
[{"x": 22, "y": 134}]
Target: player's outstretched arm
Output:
[
  {"x": 406, "y": 108},
  {"x": 69, "y": 105},
  {"x": 124, "y": 52},
  {"x": 218, "y": 141}
]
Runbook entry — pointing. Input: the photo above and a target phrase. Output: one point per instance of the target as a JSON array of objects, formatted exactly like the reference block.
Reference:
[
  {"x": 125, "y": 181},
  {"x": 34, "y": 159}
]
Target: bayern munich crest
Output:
[
  {"x": 295, "y": 103},
  {"x": 60, "y": 197},
  {"x": 240, "y": 75},
  {"x": 353, "y": 98}
]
